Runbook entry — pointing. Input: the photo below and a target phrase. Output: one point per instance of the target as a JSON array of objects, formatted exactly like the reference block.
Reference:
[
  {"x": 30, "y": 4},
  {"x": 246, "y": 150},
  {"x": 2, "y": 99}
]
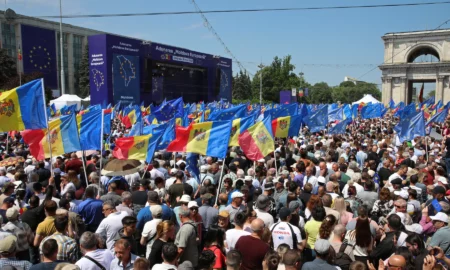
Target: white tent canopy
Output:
[
  {"x": 88, "y": 98},
  {"x": 366, "y": 99},
  {"x": 66, "y": 100}
]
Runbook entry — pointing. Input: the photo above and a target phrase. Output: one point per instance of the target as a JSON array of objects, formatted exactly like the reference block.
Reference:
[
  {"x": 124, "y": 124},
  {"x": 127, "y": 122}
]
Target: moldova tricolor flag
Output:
[
  {"x": 137, "y": 147},
  {"x": 238, "y": 127},
  {"x": 63, "y": 136},
  {"x": 89, "y": 127},
  {"x": 207, "y": 138},
  {"x": 23, "y": 108},
  {"x": 257, "y": 141},
  {"x": 130, "y": 118},
  {"x": 287, "y": 126}
]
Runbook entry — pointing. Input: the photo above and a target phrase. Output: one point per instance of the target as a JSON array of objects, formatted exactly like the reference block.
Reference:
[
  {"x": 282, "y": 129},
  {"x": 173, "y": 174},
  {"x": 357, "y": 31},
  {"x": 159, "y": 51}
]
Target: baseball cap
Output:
[
  {"x": 237, "y": 194},
  {"x": 443, "y": 180},
  {"x": 248, "y": 178},
  {"x": 322, "y": 246},
  {"x": 192, "y": 204},
  {"x": 156, "y": 210},
  {"x": 173, "y": 171},
  {"x": 261, "y": 160},
  {"x": 284, "y": 213},
  {"x": 414, "y": 228},
  {"x": 440, "y": 217},
  {"x": 12, "y": 213},
  {"x": 8, "y": 244},
  {"x": 185, "y": 198},
  {"x": 269, "y": 186},
  {"x": 321, "y": 179},
  {"x": 402, "y": 193},
  {"x": 285, "y": 172},
  {"x": 224, "y": 214}
]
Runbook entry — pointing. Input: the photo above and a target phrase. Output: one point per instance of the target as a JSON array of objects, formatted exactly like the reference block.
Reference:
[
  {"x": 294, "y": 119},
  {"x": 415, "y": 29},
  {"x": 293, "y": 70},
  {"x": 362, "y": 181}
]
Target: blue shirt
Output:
[
  {"x": 145, "y": 215},
  {"x": 91, "y": 211}
]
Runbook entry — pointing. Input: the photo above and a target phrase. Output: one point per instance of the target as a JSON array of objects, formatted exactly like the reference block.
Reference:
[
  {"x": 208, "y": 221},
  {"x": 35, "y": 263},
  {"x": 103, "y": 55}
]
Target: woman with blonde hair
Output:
[
  {"x": 340, "y": 206},
  {"x": 165, "y": 232}
]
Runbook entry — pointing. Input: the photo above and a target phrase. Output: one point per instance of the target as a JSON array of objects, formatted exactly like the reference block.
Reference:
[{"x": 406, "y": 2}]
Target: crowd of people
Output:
[{"x": 362, "y": 200}]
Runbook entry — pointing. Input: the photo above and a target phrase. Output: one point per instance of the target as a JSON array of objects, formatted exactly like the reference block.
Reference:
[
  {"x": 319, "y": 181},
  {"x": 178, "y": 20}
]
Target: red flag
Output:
[{"x": 421, "y": 93}]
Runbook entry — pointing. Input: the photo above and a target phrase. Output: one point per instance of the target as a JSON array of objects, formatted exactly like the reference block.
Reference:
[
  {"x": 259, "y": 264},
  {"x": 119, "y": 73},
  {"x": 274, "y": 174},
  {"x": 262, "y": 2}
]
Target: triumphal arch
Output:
[{"x": 415, "y": 57}]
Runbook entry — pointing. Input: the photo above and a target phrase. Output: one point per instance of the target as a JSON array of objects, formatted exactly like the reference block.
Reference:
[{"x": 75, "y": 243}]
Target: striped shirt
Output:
[
  {"x": 23, "y": 233},
  {"x": 67, "y": 247},
  {"x": 14, "y": 262}
]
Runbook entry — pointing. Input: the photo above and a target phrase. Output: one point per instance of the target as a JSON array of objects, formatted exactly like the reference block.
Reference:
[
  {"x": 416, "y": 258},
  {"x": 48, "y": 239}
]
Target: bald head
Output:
[
  {"x": 330, "y": 186},
  {"x": 73, "y": 155},
  {"x": 397, "y": 261},
  {"x": 257, "y": 225}
]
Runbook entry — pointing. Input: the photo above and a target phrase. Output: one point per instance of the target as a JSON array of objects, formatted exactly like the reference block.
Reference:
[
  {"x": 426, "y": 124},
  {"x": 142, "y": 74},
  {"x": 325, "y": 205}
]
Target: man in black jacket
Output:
[{"x": 392, "y": 238}]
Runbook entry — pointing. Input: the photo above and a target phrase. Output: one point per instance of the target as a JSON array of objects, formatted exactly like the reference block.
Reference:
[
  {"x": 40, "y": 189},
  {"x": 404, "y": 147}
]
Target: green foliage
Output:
[
  {"x": 431, "y": 94},
  {"x": 278, "y": 76},
  {"x": 15, "y": 82},
  {"x": 252, "y": 101},
  {"x": 7, "y": 68},
  {"x": 83, "y": 74},
  {"x": 242, "y": 86},
  {"x": 346, "y": 93},
  {"x": 320, "y": 93}
]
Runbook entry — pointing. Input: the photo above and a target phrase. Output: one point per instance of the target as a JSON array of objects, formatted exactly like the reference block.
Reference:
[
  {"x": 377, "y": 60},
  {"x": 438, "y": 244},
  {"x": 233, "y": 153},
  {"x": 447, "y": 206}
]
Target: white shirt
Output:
[
  {"x": 68, "y": 187},
  {"x": 163, "y": 266},
  {"x": 102, "y": 256},
  {"x": 266, "y": 217},
  {"x": 358, "y": 187},
  {"x": 110, "y": 226},
  {"x": 149, "y": 231},
  {"x": 394, "y": 176},
  {"x": 281, "y": 233},
  {"x": 169, "y": 182},
  {"x": 232, "y": 236},
  {"x": 156, "y": 173},
  {"x": 56, "y": 200},
  {"x": 133, "y": 178},
  {"x": 310, "y": 179}
]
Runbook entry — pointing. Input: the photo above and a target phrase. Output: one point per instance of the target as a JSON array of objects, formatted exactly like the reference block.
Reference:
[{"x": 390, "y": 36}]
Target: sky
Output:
[{"x": 325, "y": 45}]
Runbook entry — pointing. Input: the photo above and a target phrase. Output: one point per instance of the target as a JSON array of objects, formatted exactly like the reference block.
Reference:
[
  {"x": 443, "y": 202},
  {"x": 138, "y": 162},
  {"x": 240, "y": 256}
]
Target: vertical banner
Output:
[
  {"x": 285, "y": 97},
  {"x": 126, "y": 79},
  {"x": 39, "y": 53},
  {"x": 98, "y": 72},
  {"x": 225, "y": 83},
  {"x": 157, "y": 89}
]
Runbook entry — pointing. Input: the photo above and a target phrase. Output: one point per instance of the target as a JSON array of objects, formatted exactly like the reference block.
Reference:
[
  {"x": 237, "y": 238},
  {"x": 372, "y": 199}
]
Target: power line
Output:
[
  {"x": 242, "y": 10},
  {"x": 213, "y": 31},
  {"x": 406, "y": 48}
]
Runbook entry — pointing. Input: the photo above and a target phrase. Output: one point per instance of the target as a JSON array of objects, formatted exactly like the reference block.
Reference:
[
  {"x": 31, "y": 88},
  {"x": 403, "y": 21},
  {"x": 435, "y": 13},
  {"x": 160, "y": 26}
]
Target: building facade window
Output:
[
  {"x": 9, "y": 39},
  {"x": 66, "y": 60},
  {"x": 77, "y": 56}
]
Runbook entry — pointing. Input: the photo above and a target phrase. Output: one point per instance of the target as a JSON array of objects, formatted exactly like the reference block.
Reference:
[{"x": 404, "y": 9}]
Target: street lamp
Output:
[
  {"x": 261, "y": 66},
  {"x": 63, "y": 83}
]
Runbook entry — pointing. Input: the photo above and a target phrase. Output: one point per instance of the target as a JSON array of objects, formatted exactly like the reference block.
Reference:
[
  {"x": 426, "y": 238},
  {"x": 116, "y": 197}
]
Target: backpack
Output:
[{"x": 342, "y": 259}]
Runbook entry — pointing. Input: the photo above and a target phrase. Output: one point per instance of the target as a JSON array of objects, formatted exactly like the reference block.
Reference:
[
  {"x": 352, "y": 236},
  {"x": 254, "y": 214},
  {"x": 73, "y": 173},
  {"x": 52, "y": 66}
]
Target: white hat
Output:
[
  {"x": 203, "y": 169},
  {"x": 443, "y": 180},
  {"x": 371, "y": 173},
  {"x": 173, "y": 170},
  {"x": 248, "y": 178},
  {"x": 303, "y": 147},
  {"x": 321, "y": 179},
  {"x": 402, "y": 193},
  {"x": 261, "y": 160},
  {"x": 237, "y": 194},
  {"x": 440, "y": 216},
  {"x": 185, "y": 198},
  {"x": 414, "y": 228},
  {"x": 401, "y": 216},
  {"x": 192, "y": 204}
]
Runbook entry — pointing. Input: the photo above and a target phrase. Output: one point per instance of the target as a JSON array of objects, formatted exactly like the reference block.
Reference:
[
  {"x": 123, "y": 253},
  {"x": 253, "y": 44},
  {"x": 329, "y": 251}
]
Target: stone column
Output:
[
  {"x": 440, "y": 89},
  {"x": 387, "y": 89},
  {"x": 403, "y": 89}
]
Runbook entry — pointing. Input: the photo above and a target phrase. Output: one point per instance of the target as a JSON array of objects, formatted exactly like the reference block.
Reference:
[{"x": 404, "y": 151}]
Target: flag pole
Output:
[
  {"x": 7, "y": 141},
  {"x": 101, "y": 147},
  {"x": 220, "y": 181},
  {"x": 426, "y": 147},
  {"x": 48, "y": 130},
  {"x": 276, "y": 167},
  {"x": 84, "y": 168}
]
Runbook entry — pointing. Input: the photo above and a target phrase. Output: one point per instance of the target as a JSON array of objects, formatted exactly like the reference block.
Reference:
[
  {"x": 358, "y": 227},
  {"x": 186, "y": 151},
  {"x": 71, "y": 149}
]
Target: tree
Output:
[
  {"x": 83, "y": 74},
  {"x": 7, "y": 68},
  {"x": 16, "y": 80},
  {"x": 348, "y": 93},
  {"x": 278, "y": 76},
  {"x": 431, "y": 94},
  {"x": 242, "y": 86},
  {"x": 320, "y": 93}
]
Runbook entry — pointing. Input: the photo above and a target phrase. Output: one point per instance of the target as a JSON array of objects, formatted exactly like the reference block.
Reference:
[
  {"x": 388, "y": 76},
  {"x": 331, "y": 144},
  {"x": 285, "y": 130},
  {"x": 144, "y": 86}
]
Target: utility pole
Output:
[
  {"x": 261, "y": 66},
  {"x": 63, "y": 83}
]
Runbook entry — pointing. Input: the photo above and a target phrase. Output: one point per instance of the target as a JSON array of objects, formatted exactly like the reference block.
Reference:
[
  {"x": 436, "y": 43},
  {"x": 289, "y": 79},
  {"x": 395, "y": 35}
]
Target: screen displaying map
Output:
[{"x": 126, "y": 81}]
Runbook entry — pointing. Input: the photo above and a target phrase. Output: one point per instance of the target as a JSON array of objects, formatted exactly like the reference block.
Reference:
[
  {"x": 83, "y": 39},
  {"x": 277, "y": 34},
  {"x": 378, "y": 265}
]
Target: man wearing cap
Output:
[
  {"x": 279, "y": 190},
  {"x": 204, "y": 175},
  {"x": 322, "y": 248},
  {"x": 207, "y": 212},
  {"x": 186, "y": 238},
  {"x": 22, "y": 231},
  {"x": 148, "y": 235},
  {"x": 10, "y": 171},
  {"x": 236, "y": 204},
  {"x": 283, "y": 232},
  {"x": 269, "y": 188},
  {"x": 8, "y": 249},
  {"x": 438, "y": 196},
  {"x": 248, "y": 180},
  {"x": 441, "y": 238},
  {"x": 262, "y": 207}
]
